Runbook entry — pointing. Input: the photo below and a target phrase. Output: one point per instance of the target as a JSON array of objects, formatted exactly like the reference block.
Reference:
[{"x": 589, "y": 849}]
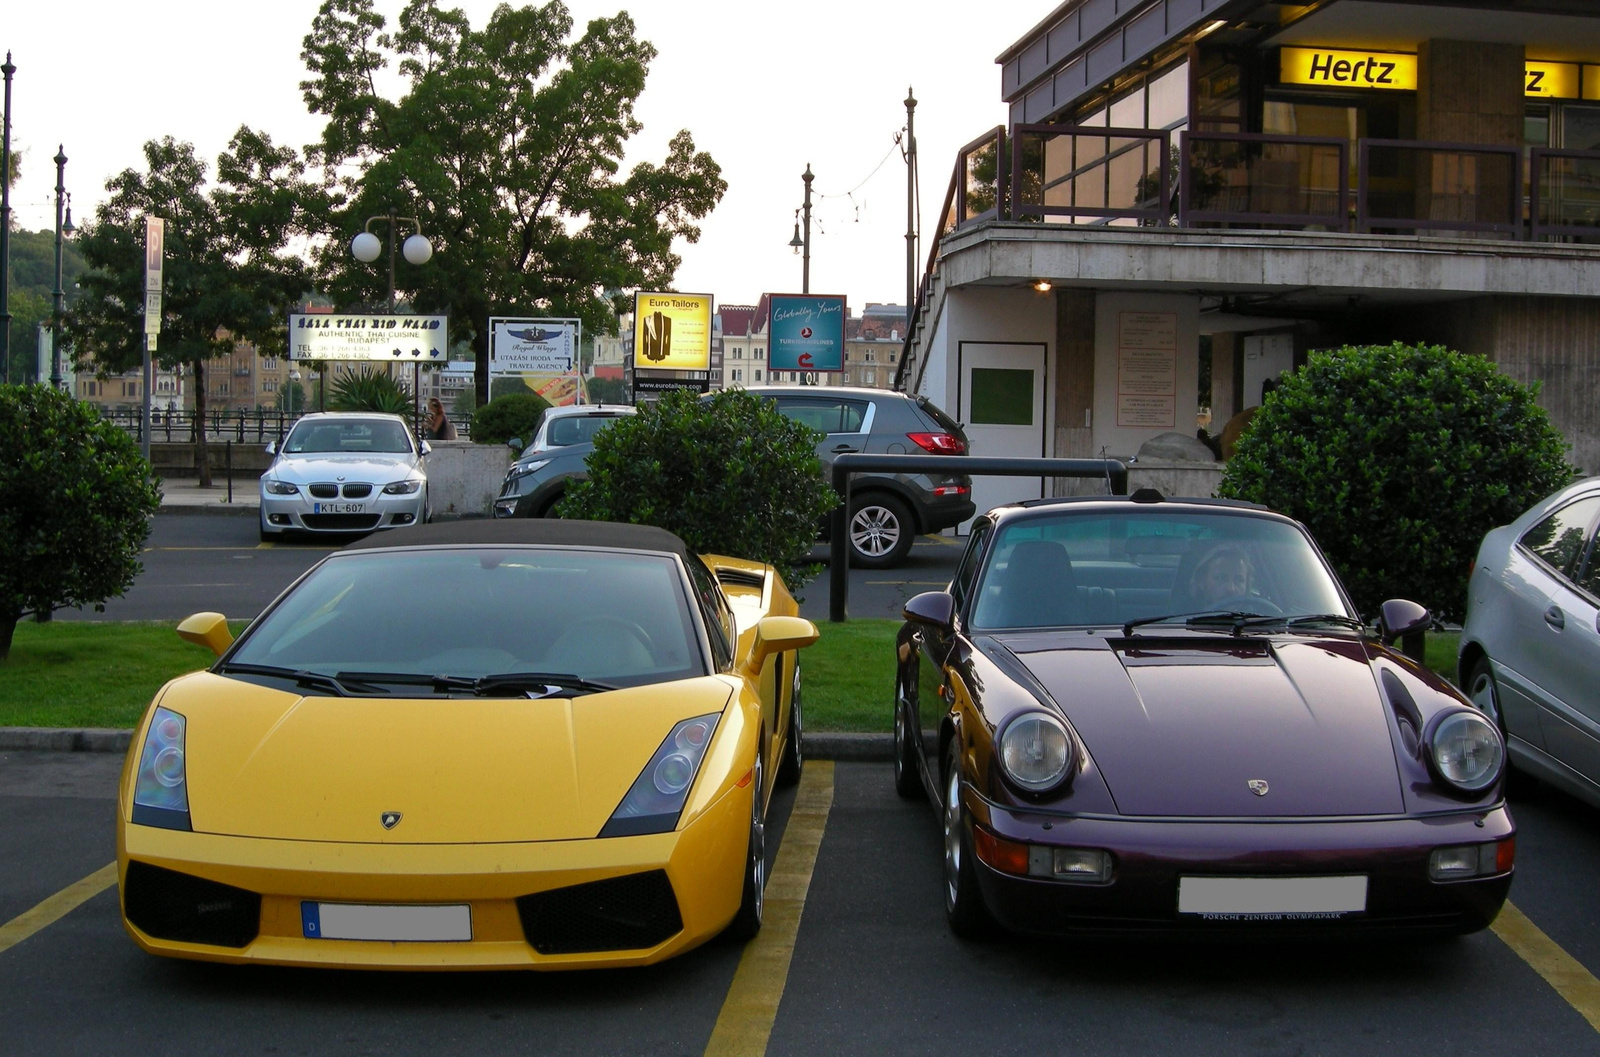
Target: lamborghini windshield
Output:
[
  {"x": 1156, "y": 566},
  {"x": 480, "y": 618}
]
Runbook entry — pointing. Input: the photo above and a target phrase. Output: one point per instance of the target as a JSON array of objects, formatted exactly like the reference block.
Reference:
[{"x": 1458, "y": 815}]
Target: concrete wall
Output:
[{"x": 464, "y": 477}]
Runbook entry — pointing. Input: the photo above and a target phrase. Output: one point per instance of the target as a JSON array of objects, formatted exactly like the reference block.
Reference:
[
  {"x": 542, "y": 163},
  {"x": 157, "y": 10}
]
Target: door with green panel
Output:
[{"x": 1001, "y": 401}]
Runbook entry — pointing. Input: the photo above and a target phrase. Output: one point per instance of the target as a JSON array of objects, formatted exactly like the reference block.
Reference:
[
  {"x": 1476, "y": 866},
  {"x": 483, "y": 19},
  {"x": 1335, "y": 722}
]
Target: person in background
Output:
[{"x": 437, "y": 426}]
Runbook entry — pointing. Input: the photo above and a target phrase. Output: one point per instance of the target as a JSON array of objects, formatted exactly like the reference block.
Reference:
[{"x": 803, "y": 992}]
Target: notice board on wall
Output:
[{"x": 1147, "y": 369}]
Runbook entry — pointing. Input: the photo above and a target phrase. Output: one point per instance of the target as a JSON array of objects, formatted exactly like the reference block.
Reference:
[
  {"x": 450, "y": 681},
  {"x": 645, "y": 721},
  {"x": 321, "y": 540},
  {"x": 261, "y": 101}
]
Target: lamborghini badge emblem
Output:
[
  {"x": 391, "y": 819},
  {"x": 1258, "y": 786}
]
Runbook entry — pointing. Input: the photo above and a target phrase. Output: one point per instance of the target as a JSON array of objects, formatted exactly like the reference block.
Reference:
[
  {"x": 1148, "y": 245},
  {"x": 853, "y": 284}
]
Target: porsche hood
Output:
[
  {"x": 1224, "y": 727},
  {"x": 264, "y": 762}
]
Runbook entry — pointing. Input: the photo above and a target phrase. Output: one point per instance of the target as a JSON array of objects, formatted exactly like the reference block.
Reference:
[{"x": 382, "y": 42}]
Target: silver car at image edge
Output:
[
  {"x": 344, "y": 472},
  {"x": 1530, "y": 646}
]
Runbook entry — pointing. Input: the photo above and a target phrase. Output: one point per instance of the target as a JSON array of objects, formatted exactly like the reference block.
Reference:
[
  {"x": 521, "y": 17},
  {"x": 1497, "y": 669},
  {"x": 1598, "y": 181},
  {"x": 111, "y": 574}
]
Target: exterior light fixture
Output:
[
  {"x": 1042, "y": 285},
  {"x": 365, "y": 247}
]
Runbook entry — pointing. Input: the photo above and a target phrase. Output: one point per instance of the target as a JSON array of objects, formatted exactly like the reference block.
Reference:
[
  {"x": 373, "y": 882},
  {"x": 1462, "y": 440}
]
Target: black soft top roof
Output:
[{"x": 546, "y": 532}]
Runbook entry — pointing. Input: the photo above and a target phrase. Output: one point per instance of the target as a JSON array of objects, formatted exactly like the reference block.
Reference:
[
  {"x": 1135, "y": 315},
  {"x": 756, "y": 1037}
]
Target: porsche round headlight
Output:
[
  {"x": 1467, "y": 751},
  {"x": 1035, "y": 751}
]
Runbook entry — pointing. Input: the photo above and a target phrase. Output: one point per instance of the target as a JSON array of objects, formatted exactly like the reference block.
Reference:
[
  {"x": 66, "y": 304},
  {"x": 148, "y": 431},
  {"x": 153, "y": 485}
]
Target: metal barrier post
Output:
[
  {"x": 1112, "y": 471},
  {"x": 229, "y": 458}
]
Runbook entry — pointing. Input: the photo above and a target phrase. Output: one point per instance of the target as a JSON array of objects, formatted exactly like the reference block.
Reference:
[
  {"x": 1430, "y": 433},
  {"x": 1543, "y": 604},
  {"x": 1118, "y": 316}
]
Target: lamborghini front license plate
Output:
[
  {"x": 392, "y": 923},
  {"x": 1272, "y": 898}
]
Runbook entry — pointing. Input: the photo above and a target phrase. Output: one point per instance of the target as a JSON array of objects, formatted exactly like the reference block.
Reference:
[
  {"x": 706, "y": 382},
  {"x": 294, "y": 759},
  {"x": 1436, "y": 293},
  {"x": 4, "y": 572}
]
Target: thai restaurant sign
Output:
[
  {"x": 361, "y": 336},
  {"x": 672, "y": 332},
  {"x": 1397, "y": 71}
]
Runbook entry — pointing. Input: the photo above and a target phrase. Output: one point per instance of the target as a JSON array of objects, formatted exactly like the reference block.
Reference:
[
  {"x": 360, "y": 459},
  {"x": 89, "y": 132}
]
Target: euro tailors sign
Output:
[{"x": 672, "y": 332}]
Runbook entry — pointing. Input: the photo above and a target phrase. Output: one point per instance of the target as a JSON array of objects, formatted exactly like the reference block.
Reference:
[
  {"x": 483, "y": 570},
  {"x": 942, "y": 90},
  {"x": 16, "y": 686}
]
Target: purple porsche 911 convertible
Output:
[{"x": 1166, "y": 715}]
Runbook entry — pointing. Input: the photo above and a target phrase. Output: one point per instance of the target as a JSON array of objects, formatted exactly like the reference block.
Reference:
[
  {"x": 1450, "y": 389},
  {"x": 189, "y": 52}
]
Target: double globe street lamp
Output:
[{"x": 417, "y": 250}]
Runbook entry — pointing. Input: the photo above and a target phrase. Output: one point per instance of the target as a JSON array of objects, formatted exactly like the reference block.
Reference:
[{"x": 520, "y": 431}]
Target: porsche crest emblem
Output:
[
  {"x": 391, "y": 819},
  {"x": 1258, "y": 786}
]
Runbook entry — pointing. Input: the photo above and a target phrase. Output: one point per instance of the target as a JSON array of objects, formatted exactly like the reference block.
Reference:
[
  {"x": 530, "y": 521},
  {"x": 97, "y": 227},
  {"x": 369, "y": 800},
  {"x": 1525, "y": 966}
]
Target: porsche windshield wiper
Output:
[
  {"x": 526, "y": 682},
  {"x": 339, "y": 684},
  {"x": 1308, "y": 620},
  {"x": 1200, "y": 619}
]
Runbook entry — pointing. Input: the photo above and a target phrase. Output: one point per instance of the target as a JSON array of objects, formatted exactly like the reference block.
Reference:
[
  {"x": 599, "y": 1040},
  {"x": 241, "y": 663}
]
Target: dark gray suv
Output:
[
  {"x": 556, "y": 455},
  {"x": 887, "y": 510}
]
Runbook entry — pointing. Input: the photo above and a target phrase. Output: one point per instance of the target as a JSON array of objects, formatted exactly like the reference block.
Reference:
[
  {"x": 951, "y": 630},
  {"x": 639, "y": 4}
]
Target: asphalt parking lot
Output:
[{"x": 873, "y": 968}]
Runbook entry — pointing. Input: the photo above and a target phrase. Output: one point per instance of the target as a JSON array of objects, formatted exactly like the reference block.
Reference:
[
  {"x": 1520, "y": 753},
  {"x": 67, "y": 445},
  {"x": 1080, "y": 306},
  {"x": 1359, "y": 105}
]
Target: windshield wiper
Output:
[
  {"x": 548, "y": 681},
  {"x": 339, "y": 684},
  {"x": 441, "y": 684},
  {"x": 1308, "y": 620},
  {"x": 1198, "y": 619}
]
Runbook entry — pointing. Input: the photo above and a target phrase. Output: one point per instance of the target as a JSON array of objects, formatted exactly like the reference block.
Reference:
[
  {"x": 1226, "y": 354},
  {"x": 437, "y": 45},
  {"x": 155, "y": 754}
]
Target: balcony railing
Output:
[{"x": 1097, "y": 176}]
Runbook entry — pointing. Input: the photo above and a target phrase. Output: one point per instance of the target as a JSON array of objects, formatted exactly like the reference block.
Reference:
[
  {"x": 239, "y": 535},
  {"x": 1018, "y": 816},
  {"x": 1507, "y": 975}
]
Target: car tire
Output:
[
  {"x": 881, "y": 531},
  {"x": 793, "y": 760},
  {"x": 747, "y": 921},
  {"x": 907, "y": 779},
  {"x": 549, "y": 509},
  {"x": 964, "y": 908},
  {"x": 1484, "y": 693}
]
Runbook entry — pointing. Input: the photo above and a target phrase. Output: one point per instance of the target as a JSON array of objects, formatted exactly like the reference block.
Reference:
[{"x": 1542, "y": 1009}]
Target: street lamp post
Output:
[
  {"x": 802, "y": 243},
  {"x": 58, "y": 293},
  {"x": 5, "y": 229},
  {"x": 294, "y": 384},
  {"x": 365, "y": 248}
]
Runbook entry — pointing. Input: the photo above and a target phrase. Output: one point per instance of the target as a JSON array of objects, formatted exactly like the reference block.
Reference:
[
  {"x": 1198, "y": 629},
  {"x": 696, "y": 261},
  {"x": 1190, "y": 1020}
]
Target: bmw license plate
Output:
[
  {"x": 1272, "y": 898},
  {"x": 338, "y": 508},
  {"x": 390, "y": 923}
]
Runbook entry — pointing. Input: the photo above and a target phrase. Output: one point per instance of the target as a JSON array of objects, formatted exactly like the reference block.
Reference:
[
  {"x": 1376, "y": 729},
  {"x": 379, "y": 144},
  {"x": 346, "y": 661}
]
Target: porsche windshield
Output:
[
  {"x": 614, "y": 618},
  {"x": 1130, "y": 566},
  {"x": 350, "y": 435}
]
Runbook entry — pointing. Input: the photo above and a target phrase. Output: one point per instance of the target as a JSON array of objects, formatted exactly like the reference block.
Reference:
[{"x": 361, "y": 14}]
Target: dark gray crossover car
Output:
[
  {"x": 555, "y": 456},
  {"x": 887, "y": 510}
]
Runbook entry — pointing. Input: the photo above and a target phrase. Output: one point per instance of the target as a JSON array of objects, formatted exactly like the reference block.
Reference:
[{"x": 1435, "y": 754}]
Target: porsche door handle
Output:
[{"x": 1555, "y": 618}]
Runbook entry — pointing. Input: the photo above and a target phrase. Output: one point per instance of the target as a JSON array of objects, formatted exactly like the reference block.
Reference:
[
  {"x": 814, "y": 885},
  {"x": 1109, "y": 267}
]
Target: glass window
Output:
[
  {"x": 475, "y": 612},
  {"x": 968, "y": 570},
  {"x": 1128, "y": 112},
  {"x": 352, "y": 435},
  {"x": 1559, "y": 539},
  {"x": 1589, "y": 579},
  {"x": 825, "y": 415},
  {"x": 576, "y": 429},
  {"x": 1169, "y": 97},
  {"x": 719, "y": 618},
  {"x": 1061, "y": 569}
]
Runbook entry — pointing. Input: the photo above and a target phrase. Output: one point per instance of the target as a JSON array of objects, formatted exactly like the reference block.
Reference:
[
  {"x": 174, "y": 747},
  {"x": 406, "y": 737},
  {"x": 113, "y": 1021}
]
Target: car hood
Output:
[
  {"x": 264, "y": 762},
  {"x": 1182, "y": 727},
  {"x": 375, "y": 469}
]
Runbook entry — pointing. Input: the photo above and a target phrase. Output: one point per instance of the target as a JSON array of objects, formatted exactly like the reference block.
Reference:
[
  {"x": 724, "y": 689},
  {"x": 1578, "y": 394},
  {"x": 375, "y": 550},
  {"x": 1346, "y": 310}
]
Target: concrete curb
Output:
[
  {"x": 818, "y": 745},
  {"x": 210, "y": 509}
]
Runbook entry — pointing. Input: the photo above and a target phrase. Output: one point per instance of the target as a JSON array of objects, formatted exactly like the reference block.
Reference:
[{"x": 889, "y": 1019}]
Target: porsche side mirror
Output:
[
  {"x": 272, "y": 447},
  {"x": 778, "y": 635},
  {"x": 936, "y": 609},
  {"x": 1399, "y": 618},
  {"x": 207, "y": 629}
]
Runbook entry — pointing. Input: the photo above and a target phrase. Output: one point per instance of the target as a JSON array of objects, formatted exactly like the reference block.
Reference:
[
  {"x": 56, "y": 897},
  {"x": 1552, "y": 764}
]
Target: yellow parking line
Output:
[
  {"x": 745, "y": 1023},
  {"x": 56, "y": 907},
  {"x": 1560, "y": 970},
  {"x": 945, "y": 541}
]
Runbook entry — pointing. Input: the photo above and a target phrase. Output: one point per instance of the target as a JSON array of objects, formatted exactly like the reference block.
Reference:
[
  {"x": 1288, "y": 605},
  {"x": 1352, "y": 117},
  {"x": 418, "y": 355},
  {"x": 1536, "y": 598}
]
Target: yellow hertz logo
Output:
[{"x": 1349, "y": 69}]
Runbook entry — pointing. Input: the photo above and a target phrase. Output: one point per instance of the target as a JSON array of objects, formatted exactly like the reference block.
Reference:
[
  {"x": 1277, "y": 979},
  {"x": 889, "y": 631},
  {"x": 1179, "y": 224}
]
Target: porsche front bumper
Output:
[{"x": 501, "y": 884}]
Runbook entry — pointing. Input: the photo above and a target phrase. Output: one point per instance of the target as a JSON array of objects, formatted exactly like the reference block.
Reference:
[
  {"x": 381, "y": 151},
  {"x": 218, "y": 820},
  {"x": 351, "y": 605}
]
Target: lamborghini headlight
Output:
[
  {"x": 658, "y": 794},
  {"x": 1035, "y": 751},
  {"x": 161, "y": 788}
]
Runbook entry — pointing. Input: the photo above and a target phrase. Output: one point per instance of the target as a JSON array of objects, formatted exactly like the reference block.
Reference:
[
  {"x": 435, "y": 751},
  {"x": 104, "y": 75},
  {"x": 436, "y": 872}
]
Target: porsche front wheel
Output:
[
  {"x": 907, "y": 781},
  {"x": 963, "y": 903},
  {"x": 747, "y": 922}
]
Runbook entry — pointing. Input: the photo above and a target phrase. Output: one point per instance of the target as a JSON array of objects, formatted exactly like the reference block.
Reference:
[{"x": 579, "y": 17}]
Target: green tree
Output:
[
  {"x": 465, "y": 403},
  {"x": 729, "y": 474},
  {"x": 75, "y": 505},
  {"x": 506, "y": 142},
  {"x": 229, "y": 274},
  {"x": 292, "y": 398},
  {"x": 1398, "y": 459},
  {"x": 33, "y": 279},
  {"x": 513, "y": 415},
  {"x": 606, "y": 390}
]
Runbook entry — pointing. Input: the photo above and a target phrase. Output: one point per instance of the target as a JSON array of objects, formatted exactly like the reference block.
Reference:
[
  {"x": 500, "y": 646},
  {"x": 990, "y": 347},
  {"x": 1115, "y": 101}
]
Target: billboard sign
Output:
[
  {"x": 806, "y": 332},
  {"x": 346, "y": 336},
  {"x": 672, "y": 332},
  {"x": 543, "y": 353}
]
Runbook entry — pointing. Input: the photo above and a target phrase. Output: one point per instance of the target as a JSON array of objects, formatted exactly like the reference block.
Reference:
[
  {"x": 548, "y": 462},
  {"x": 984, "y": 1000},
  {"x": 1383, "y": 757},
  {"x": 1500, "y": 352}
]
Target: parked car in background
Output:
[
  {"x": 887, "y": 511},
  {"x": 478, "y": 745},
  {"x": 1530, "y": 647},
  {"x": 1148, "y": 714},
  {"x": 556, "y": 456},
  {"x": 344, "y": 472}
]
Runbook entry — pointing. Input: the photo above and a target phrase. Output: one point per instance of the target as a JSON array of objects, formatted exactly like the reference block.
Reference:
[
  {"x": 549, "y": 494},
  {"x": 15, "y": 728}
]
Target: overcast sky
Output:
[{"x": 766, "y": 88}]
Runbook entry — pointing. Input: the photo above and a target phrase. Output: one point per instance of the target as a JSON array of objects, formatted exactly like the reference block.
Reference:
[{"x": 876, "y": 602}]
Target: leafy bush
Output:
[
  {"x": 369, "y": 390},
  {"x": 1399, "y": 459},
  {"x": 504, "y": 417},
  {"x": 499, "y": 387},
  {"x": 465, "y": 403},
  {"x": 730, "y": 475},
  {"x": 75, "y": 502}
]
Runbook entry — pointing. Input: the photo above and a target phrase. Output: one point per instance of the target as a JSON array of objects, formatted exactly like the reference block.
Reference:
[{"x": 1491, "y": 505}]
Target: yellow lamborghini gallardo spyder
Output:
[{"x": 495, "y": 744}]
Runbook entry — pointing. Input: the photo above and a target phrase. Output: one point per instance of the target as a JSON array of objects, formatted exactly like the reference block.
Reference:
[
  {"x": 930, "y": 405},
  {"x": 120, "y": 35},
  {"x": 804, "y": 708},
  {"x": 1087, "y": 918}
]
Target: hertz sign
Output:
[{"x": 1397, "y": 71}]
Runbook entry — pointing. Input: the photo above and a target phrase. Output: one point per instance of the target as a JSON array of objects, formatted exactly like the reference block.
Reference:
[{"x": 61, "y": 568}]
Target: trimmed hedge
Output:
[
  {"x": 1398, "y": 459},
  {"x": 504, "y": 417}
]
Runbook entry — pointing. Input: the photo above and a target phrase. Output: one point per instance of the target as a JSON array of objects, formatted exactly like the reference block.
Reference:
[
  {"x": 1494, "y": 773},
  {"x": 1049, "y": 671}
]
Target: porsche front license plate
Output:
[
  {"x": 386, "y": 922},
  {"x": 338, "y": 508},
  {"x": 1272, "y": 898}
]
